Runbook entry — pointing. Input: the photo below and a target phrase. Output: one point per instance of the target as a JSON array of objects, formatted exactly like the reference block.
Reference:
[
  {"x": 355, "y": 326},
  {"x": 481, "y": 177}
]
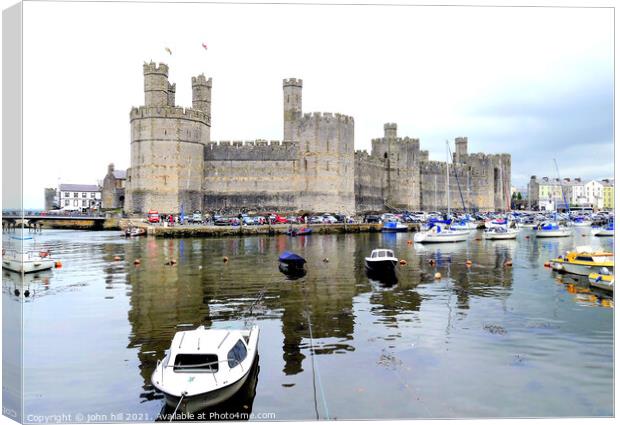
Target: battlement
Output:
[
  {"x": 328, "y": 117},
  {"x": 152, "y": 68},
  {"x": 364, "y": 156},
  {"x": 201, "y": 80},
  {"x": 390, "y": 126},
  {"x": 175, "y": 112},
  {"x": 251, "y": 150},
  {"x": 295, "y": 82},
  {"x": 400, "y": 140}
]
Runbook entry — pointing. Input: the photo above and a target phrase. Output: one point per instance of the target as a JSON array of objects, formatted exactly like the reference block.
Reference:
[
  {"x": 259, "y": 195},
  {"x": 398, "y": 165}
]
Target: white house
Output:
[
  {"x": 594, "y": 194},
  {"x": 79, "y": 197}
]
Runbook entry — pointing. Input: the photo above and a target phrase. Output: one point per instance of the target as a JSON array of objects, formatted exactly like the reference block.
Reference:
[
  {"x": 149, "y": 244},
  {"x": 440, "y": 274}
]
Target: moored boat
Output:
[
  {"x": 602, "y": 279},
  {"x": 134, "y": 231},
  {"x": 381, "y": 260},
  {"x": 26, "y": 261},
  {"x": 499, "y": 233},
  {"x": 205, "y": 367},
  {"x": 299, "y": 232},
  {"x": 291, "y": 262},
  {"x": 552, "y": 230},
  {"x": 583, "y": 261},
  {"x": 440, "y": 232},
  {"x": 394, "y": 226},
  {"x": 608, "y": 230}
]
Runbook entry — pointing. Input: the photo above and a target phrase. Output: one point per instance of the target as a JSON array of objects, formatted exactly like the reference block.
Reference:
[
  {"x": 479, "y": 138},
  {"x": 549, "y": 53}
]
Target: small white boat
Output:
[
  {"x": 439, "y": 233},
  {"x": 552, "y": 230},
  {"x": 608, "y": 230},
  {"x": 527, "y": 224},
  {"x": 394, "y": 226},
  {"x": 381, "y": 261},
  {"x": 205, "y": 367},
  {"x": 499, "y": 233},
  {"x": 498, "y": 222},
  {"x": 26, "y": 261},
  {"x": 582, "y": 223}
]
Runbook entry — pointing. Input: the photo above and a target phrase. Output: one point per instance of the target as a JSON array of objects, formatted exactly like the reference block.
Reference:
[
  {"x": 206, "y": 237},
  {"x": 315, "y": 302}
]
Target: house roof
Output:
[{"x": 79, "y": 187}]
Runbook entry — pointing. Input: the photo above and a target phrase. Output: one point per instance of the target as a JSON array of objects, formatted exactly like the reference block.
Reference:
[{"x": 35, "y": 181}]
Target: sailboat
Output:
[{"x": 440, "y": 231}]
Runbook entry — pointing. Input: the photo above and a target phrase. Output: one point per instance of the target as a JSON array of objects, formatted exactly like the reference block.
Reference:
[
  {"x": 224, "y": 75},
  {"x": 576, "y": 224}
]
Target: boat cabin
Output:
[{"x": 382, "y": 253}]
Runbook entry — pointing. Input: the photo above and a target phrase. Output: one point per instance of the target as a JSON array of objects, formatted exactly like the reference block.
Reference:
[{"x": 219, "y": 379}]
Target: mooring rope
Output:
[
  {"x": 176, "y": 408},
  {"x": 316, "y": 367}
]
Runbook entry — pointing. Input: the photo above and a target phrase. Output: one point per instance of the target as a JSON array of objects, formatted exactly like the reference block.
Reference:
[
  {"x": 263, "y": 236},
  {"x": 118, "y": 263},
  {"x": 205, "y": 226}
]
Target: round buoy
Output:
[
  {"x": 26, "y": 293},
  {"x": 117, "y": 258},
  {"x": 58, "y": 264},
  {"x": 402, "y": 262},
  {"x": 508, "y": 263},
  {"x": 16, "y": 292},
  {"x": 225, "y": 259},
  {"x": 326, "y": 260},
  {"x": 527, "y": 237},
  {"x": 431, "y": 262},
  {"x": 173, "y": 262},
  {"x": 547, "y": 264},
  {"x": 136, "y": 261},
  {"x": 437, "y": 275},
  {"x": 409, "y": 242},
  {"x": 468, "y": 263}
]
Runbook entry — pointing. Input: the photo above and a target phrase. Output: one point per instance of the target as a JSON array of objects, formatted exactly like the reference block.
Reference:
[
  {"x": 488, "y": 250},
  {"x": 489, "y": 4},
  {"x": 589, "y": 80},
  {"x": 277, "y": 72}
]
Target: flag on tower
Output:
[
  {"x": 204, "y": 46},
  {"x": 168, "y": 50}
]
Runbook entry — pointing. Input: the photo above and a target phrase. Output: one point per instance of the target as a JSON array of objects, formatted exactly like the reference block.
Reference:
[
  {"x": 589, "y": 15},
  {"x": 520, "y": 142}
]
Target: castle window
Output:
[{"x": 385, "y": 155}]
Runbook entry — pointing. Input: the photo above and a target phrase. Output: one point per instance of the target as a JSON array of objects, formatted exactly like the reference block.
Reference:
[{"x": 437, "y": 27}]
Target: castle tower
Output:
[
  {"x": 292, "y": 108},
  {"x": 389, "y": 130},
  {"x": 460, "y": 151},
  {"x": 167, "y": 146},
  {"x": 201, "y": 94},
  {"x": 155, "y": 84}
]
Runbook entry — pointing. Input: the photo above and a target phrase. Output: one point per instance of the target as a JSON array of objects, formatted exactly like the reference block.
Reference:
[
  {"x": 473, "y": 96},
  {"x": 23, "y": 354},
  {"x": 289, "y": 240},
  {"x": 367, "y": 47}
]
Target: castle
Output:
[{"x": 315, "y": 168}]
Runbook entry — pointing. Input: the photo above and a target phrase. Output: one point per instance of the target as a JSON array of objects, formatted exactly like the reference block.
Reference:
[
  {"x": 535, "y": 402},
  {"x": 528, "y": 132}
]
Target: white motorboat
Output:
[
  {"x": 498, "y": 222},
  {"x": 205, "y": 367},
  {"x": 583, "y": 261},
  {"x": 439, "y": 233},
  {"x": 552, "y": 230},
  {"x": 499, "y": 233},
  {"x": 381, "y": 261},
  {"x": 26, "y": 261}
]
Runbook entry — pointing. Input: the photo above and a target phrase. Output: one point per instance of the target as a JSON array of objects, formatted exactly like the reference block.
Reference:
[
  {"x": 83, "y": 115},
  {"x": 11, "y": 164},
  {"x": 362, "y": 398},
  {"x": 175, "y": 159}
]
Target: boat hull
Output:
[
  {"x": 383, "y": 266},
  {"x": 490, "y": 236},
  {"x": 605, "y": 282},
  {"x": 202, "y": 401},
  {"x": 27, "y": 266},
  {"x": 602, "y": 232},
  {"x": 562, "y": 233},
  {"x": 441, "y": 237},
  {"x": 578, "y": 269}
]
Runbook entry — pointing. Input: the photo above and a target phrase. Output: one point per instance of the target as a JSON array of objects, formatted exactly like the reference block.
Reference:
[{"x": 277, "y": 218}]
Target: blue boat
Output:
[
  {"x": 394, "y": 226},
  {"x": 299, "y": 232}
]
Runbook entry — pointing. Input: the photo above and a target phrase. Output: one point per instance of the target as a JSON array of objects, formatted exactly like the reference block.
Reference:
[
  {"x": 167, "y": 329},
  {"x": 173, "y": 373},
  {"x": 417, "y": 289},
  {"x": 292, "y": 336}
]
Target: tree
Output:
[{"x": 519, "y": 197}]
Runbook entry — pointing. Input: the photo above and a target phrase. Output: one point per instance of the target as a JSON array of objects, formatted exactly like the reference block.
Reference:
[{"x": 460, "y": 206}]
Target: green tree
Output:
[{"x": 519, "y": 197}]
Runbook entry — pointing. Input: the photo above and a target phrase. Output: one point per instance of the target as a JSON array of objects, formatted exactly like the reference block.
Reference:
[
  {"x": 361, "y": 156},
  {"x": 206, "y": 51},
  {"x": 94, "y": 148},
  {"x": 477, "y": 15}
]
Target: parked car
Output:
[
  {"x": 259, "y": 220},
  {"x": 292, "y": 219},
  {"x": 196, "y": 217},
  {"x": 247, "y": 220},
  {"x": 221, "y": 221},
  {"x": 152, "y": 216},
  {"x": 372, "y": 219},
  {"x": 316, "y": 220}
]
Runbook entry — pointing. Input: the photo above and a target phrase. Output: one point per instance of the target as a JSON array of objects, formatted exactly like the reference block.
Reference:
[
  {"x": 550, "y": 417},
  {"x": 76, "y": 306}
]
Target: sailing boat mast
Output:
[{"x": 448, "y": 175}]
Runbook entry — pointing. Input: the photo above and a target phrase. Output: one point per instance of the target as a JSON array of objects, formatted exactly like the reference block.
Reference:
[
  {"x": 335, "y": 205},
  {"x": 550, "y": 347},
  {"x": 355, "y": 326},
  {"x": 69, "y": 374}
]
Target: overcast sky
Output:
[{"x": 533, "y": 82}]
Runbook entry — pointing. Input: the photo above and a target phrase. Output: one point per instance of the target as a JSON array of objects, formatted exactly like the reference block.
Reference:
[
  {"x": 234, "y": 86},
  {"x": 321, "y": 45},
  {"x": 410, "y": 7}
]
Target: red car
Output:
[{"x": 153, "y": 216}]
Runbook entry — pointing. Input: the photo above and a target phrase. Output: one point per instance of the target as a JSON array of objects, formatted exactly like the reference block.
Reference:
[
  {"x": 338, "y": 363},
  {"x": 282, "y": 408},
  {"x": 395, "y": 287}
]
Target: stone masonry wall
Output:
[{"x": 369, "y": 183}]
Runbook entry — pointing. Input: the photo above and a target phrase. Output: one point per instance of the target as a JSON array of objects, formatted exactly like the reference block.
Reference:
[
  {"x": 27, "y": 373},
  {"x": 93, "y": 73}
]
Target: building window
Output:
[
  {"x": 83, "y": 203},
  {"x": 92, "y": 195},
  {"x": 67, "y": 194},
  {"x": 66, "y": 202},
  {"x": 83, "y": 194},
  {"x": 75, "y": 203},
  {"x": 75, "y": 194}
]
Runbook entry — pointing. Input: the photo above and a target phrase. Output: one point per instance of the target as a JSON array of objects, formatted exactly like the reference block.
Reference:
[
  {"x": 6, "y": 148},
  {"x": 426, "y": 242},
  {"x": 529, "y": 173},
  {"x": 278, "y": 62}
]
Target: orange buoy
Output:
[
  {"x": 402, "y": 262},
  {"x": 225, "y": 259},
  {"x": 58, "y": 264},
  {"x": 508, "y": 263},
  {"x": 136, "y": 261},
  {"x": 547, "y": 264},
  {"x": 437, "y": 275},
  {"x": 409, "y": 242},
  {"x": 117, "y": 258}
]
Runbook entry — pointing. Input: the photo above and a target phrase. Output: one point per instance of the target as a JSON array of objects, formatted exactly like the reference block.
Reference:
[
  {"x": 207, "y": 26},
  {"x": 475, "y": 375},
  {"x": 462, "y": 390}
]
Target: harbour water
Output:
[{"x": 488, "y": 340}]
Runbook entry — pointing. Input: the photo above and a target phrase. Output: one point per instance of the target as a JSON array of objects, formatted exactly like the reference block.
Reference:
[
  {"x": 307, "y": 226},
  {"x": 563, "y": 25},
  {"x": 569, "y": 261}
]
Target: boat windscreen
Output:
[{"x": 196, "y": 363}]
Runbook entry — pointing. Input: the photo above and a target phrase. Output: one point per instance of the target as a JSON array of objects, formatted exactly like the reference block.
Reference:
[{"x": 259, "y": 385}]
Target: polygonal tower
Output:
[
  {"x": 167, "y": 146},
  {"x": 292, "y": 108}
]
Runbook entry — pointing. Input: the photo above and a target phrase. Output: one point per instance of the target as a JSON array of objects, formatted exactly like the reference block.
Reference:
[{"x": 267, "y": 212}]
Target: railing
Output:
[{"x": 209, "y": 364}]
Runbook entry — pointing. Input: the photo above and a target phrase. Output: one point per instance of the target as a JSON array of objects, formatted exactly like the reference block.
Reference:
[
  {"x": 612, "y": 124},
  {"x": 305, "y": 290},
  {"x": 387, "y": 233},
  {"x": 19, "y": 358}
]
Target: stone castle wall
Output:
[
  {"x": 257, "y": 175},
  {"x": 369, "y": 183}
]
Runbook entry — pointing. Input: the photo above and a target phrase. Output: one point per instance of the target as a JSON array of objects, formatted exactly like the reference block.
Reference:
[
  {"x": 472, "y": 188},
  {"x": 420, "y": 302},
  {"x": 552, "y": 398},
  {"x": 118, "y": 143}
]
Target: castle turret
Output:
[
  {"x": 172, "y": 88},
  {"x": 155, "y": 84},
  {"x": 389, "y": 130},
  {"x": 201, "y": 93},
  {"x": 460, "y": 151},
  {"x": 292, "y": 107}
]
